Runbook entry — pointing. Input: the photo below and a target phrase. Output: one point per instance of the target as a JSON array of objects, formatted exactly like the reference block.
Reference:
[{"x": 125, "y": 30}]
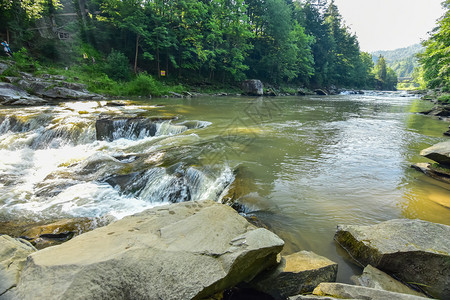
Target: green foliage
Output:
[
  {"x": 385, "y": 77},
  {"x": 144, "y": 85},
  {"x": 24, "y": 61},
  {"x": 445, "y": 98},
  {"x": 303, "y": 43},
  {"x": 435, "y": 60},
  {"x": 117, "y": 66}
]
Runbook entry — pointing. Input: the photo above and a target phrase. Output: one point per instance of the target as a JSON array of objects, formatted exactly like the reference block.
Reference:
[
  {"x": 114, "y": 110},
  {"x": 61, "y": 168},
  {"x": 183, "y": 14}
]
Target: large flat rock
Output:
[
  {"x": 414, "y": 251},
  {"x": 347, "y": 291},
  {"x": 13, "y": 254},
  {"x": 188, "y": 250},
  {"x": 13, "y": 95},
  {"x": 439, "y": 153}
]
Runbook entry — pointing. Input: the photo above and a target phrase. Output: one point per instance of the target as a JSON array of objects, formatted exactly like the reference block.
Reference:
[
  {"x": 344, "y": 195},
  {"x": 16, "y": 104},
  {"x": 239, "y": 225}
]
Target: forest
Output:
[
  {"x": 434, "y": 61},
  {"x": 281, "y": 42}
]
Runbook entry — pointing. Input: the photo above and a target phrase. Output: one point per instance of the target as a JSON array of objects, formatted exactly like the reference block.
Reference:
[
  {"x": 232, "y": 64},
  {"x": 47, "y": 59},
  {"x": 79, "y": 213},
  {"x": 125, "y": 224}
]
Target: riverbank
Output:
[{"x": 92, "y": 81}]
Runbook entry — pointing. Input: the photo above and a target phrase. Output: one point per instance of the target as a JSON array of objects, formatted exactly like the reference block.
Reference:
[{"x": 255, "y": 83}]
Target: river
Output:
[{"x": 305, "y": 164}]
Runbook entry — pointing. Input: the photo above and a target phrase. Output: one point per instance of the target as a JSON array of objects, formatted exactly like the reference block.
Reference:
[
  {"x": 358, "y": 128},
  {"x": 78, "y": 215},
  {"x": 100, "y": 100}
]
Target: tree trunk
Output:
[
  {"x": 7, "y": 35},
  {"x": 157, "y": 61},
  {"x": 167, "y": 63},
  {"x": 136, "y": 56}
]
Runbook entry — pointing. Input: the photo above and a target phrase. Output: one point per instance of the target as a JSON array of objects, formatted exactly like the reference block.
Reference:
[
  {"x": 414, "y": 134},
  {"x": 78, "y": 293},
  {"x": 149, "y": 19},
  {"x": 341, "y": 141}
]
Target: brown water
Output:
[{"x": 310, "y": 163}]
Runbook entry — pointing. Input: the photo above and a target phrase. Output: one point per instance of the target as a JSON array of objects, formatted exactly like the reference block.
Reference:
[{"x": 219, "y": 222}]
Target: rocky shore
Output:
[
  {"x": 26, "y": 89},
  {"x": 206, "y": 250},
  {"x": 440, "y": 170}
]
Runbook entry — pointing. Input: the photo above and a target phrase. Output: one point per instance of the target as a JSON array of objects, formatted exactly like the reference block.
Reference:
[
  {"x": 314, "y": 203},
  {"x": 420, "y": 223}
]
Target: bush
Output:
[
  {"x": 24, "y": 61},
  {"x": 445, "y": 98},
  {"x": 117, "y": 67}
]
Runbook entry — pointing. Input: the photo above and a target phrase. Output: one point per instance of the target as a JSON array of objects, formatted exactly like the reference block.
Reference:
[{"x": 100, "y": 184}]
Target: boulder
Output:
[
  {"x": 56, "y": 89},
  {"x": 13, "y": 254},
  {"x": 252, "y": 87},
  {"x": 189, "y": 250},
  {"x": 434, "y": 172},
  {"x": 13, "y": 95},
  {"x": 374, "y": 278},
  {"x": 414, "y": 251},
  {"x": 438, "y": 111},
  {"x": 347, "y": 291},
  {"x": 439, "y": 153},
  {"x": 3, "y": 68},
  {"x": 297, "y": 273},
  {"x": 320, "y": 92}
]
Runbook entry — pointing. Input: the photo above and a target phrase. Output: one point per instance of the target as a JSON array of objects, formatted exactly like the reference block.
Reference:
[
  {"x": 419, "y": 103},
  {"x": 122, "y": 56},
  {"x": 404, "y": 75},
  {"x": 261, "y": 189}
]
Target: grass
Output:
[{"x": 94, "y": 78}]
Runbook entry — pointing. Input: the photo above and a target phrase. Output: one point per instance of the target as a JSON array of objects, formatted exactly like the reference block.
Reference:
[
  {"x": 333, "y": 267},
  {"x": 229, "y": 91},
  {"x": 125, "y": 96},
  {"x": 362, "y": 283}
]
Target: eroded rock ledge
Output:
[
  {"x": 415, "y": 251},
  {"x": 188, "y": 250}
]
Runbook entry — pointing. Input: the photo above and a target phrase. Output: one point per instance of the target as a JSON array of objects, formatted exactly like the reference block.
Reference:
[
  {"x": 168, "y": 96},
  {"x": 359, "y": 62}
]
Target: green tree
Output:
[
  {"x": 435, "y": 60},
  {"x": 385, "y": 77}
]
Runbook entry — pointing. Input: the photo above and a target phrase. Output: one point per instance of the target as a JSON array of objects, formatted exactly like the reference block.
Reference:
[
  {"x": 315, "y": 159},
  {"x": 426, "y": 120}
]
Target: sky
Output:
[{"x": 390, "y": 24}]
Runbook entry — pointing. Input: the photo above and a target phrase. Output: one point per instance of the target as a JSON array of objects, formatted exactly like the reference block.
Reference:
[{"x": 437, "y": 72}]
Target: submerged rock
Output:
[
  {"x": 252, "y": 87},
  {"x": 414, "y": 251},
  {"x": 439, "y": 153},
  {"x": 297, "y": 273},
  {"x": 13, "y": 254},
  {"x": 374, "y": 278},
  {"x": 347, "y": 291},
  {"x": 188, "y": 250}
]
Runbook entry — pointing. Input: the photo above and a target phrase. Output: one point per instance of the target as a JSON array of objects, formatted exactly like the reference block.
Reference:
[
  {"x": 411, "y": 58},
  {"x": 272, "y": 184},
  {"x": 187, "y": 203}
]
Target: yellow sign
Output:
[{"x": 163, "y": 73}]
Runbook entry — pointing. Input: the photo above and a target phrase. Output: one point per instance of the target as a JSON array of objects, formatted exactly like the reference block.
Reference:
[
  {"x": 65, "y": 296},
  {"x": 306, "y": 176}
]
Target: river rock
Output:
[
  {"x": 252, "y": 87},
  {"x": 374, "y": 278},
  {"x": 188, "y": 250},
  {"x": 347, "y": 291},
  {"x": 297, "y": 273},
  {"x": 56, "y": 89},
  {"x": 414, "y": 251},
  {"x": 320, "y": 92},
  {"x": 439, "y": 153},
  {"x": 313, "y": 297},
  {"x": 3, "y": 68},
  {"x": 13, "y": 95},
  {"x": 438, "y": 111},
  {"x": 436, "y": 173},
  {"x": 13, "y": 254}
]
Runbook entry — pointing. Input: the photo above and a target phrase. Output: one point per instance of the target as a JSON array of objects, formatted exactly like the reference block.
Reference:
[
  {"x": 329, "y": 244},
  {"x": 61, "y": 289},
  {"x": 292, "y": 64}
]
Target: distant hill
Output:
[{"x": 402, "y": 61}]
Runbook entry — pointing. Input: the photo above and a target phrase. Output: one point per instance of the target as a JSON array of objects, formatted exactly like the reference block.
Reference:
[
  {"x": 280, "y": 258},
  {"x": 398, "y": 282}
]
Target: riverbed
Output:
[{"x": 307, "y": 163}]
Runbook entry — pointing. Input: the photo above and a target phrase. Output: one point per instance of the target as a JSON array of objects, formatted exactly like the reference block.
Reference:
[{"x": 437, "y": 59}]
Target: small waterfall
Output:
[
  {"x": 167, "y": 128},
  {"x": 62, "y": 162}
]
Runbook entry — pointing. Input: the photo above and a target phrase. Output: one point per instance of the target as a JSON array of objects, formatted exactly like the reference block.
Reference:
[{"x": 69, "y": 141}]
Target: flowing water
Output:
[{"x": 304, "y": 164}]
